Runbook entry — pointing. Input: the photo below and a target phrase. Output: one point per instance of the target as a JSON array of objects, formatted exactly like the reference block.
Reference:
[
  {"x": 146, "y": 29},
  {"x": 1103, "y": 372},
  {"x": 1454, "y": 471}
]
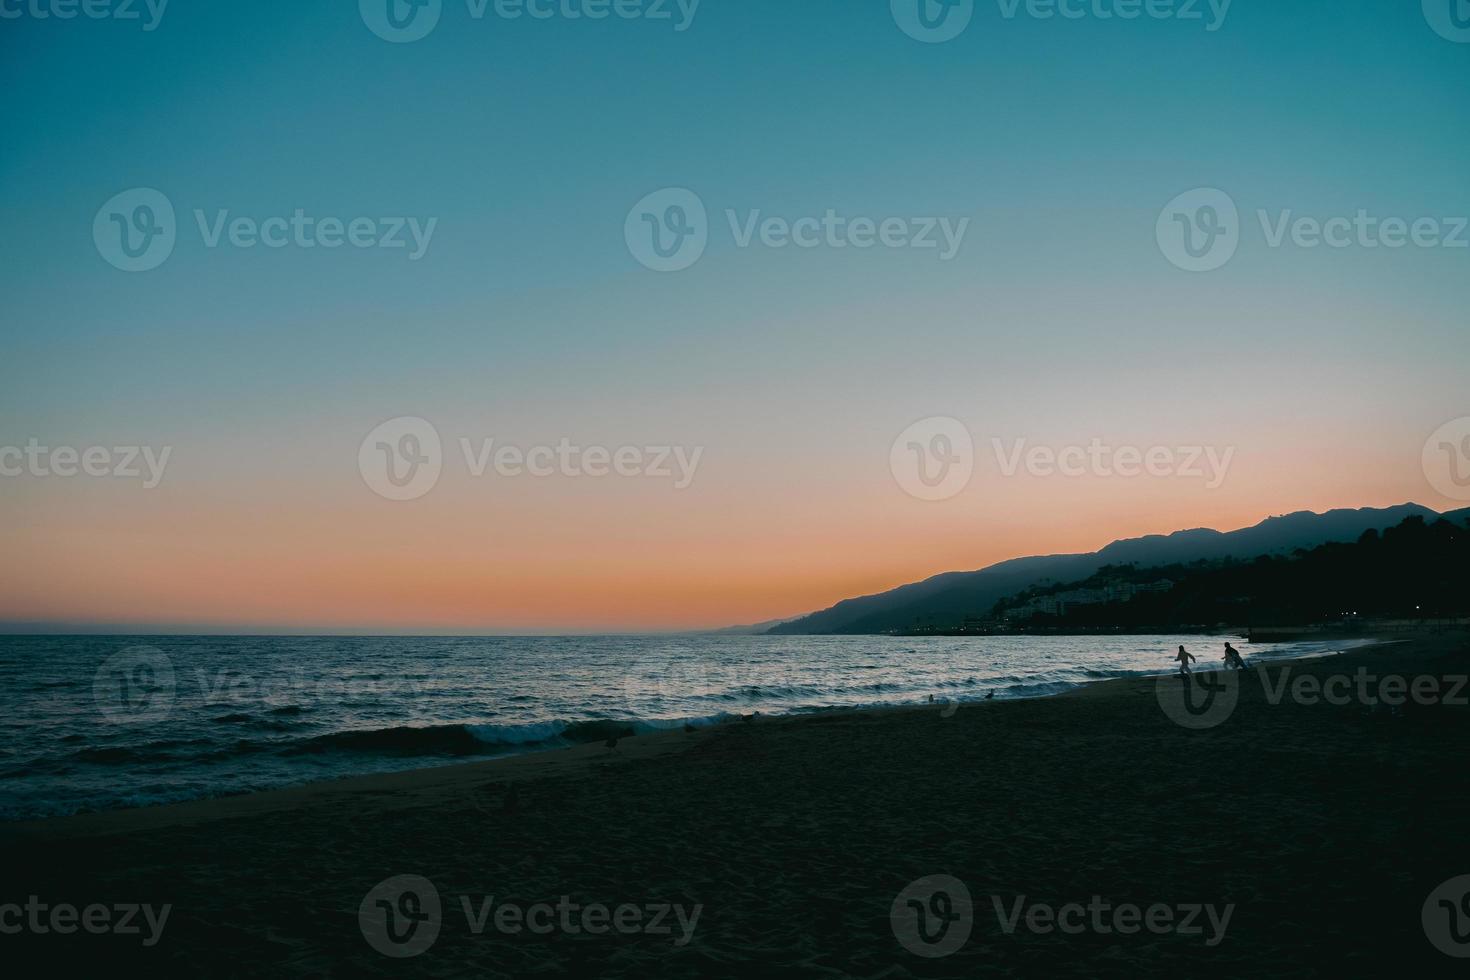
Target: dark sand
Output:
[{"x": 1326, "y": 826}]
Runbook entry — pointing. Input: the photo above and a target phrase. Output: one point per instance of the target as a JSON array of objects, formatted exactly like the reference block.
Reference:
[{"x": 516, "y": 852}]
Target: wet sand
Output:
[{"x": 1325, "y": 826}]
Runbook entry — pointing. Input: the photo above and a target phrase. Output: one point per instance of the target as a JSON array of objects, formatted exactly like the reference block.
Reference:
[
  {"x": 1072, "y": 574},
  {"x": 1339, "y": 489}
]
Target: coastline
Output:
[
  {"x": 794, "y": 835},
  {"x": 419, "y": 785},
  {"x": 528, "y": 764}
]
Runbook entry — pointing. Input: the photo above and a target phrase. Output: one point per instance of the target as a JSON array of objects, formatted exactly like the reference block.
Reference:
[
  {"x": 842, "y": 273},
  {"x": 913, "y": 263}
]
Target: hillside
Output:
[
  {"x": 1417, "y": 570},
  {"x": 947, "y": 599}
]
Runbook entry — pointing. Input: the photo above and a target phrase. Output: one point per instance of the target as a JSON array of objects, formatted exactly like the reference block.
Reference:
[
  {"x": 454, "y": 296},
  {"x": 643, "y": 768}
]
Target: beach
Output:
[{"x": 1284, "y": 839}]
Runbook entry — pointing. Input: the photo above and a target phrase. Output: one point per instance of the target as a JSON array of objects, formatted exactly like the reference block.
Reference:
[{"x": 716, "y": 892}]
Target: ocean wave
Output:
[
  {"x": 496, "y": 698},
  {"x": 400, "y": 740},
  {"x": 1107, "y": 675},
  {"x": 259, "y": 724},
  {"x": 147, "y": 751},
  {"x": 487, "y": 739},
  {"x": 781, "y": 691}
]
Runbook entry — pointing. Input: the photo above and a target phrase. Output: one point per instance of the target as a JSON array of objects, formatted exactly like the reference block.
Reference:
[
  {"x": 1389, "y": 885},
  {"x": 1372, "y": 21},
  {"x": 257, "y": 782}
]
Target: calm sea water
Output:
[{"x": 105, "y": 722}]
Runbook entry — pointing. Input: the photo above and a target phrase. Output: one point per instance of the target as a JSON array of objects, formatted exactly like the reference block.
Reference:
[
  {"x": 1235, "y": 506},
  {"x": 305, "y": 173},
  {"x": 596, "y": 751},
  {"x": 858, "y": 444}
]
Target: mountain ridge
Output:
[{"x": 947, "y": 598}]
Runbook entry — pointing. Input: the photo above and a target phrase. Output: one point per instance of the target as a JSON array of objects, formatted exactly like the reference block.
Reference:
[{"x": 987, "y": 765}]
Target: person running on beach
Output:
[
  {"x": 1184, "y": 657},
  {"x": 1233, "y": 658}
]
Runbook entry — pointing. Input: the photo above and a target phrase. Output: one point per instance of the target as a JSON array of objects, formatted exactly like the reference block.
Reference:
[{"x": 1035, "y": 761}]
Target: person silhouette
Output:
[
  {"x": 1233, "y": 658},
  {"x": 1184, "y": 657}
]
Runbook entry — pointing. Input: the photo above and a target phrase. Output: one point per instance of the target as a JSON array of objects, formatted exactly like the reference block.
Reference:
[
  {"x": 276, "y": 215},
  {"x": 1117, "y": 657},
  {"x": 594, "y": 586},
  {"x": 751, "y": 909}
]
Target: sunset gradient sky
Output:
[{"x": 528, "y": 321}]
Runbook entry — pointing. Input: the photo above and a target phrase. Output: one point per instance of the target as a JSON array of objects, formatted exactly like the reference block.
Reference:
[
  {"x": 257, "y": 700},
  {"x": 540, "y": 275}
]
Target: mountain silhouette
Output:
[{"x": 945, "y": 600}]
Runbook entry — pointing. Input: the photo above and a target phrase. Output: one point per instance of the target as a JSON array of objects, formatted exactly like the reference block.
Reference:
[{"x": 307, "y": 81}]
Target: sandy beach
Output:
[{"x": 778, "y": 847}]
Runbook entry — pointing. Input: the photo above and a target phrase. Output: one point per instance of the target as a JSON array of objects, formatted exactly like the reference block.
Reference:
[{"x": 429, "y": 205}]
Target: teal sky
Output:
[{"x": 529, "y": 141}]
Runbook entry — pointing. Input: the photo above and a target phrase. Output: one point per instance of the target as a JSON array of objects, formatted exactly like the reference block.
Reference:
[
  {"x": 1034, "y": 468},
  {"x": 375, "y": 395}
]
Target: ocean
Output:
[{"x": 103, "y": 722}]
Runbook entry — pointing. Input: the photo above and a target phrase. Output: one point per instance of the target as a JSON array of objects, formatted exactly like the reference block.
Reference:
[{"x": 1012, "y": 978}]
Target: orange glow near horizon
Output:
[{"x": 547, "y": 556}]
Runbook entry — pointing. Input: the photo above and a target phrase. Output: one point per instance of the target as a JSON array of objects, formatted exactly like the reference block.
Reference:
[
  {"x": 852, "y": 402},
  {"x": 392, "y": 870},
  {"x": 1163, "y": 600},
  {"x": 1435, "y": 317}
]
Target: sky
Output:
[{"x": 800, "y": 386}]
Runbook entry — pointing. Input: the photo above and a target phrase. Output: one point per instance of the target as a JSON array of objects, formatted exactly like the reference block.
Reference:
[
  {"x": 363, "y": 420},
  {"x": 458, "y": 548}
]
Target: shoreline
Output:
[
  {"x": 794, "y": 835},
  {"x": 420, "y": 784}
]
